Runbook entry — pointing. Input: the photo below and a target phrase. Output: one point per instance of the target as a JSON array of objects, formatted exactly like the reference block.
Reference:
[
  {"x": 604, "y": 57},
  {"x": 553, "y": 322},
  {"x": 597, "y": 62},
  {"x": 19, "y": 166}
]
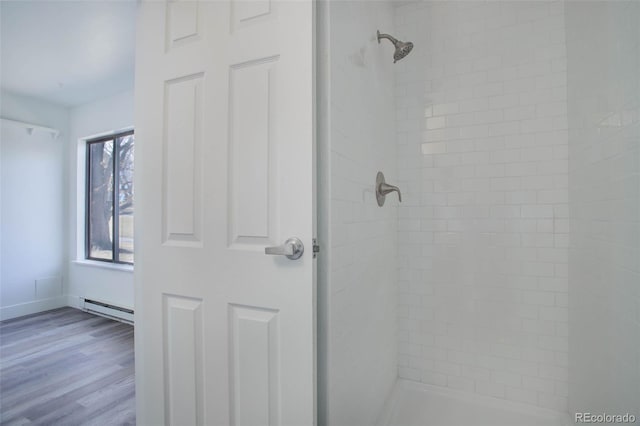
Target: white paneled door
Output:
[{"x": 225, "y": 334}]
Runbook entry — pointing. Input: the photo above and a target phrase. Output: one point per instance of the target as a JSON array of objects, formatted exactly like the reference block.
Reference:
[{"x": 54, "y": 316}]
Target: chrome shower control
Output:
[
  {"x": 383, "y": 188},
  {"x": 292, "y": 248}
]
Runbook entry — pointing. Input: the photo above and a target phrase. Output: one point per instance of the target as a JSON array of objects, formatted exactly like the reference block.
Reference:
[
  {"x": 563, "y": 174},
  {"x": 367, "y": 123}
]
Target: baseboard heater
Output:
[{"x": 109, "y": 311}]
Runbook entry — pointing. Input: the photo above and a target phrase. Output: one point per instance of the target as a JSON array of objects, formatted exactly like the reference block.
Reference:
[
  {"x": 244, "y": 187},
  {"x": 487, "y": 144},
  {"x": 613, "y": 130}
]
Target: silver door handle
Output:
[{"x": 292, "y": 248}]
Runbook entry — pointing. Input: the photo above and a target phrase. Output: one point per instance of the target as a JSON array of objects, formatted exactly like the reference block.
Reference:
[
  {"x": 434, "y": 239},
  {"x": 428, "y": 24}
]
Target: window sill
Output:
[{"x": 104, "y": 265}]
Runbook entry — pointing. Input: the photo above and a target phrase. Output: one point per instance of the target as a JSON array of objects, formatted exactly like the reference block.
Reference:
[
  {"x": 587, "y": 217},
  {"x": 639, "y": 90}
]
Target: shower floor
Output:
[{"x": 416, "y": 404}]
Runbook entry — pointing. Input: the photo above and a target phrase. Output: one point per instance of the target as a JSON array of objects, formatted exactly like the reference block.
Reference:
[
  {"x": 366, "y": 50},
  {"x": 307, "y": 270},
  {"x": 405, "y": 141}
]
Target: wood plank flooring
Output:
[{"x": 66, "y": 367}]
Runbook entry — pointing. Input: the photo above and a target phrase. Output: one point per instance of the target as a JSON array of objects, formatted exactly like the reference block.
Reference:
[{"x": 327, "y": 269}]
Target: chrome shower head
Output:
[{"x": 402, "y": 47}]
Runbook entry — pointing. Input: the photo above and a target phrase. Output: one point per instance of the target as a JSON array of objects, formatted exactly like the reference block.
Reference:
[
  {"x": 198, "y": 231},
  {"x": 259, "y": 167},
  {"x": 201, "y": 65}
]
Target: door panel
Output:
[
  {"x": 182, "y": 154},
  {"x": 255, "y": 366},
  {"x": 183, "y": 360},
  {"x": 252, "y": 179},
  {"x": 182, "y": 22},
  {"x": 225, "y": 335}
]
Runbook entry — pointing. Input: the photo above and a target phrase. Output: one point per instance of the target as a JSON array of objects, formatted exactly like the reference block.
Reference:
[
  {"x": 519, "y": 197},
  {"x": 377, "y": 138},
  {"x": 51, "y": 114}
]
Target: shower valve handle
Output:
[{"x": 383, "y": 188}]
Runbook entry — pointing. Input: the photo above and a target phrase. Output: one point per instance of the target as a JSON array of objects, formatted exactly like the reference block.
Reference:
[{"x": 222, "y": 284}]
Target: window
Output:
[{"x": 109, "y": 209}]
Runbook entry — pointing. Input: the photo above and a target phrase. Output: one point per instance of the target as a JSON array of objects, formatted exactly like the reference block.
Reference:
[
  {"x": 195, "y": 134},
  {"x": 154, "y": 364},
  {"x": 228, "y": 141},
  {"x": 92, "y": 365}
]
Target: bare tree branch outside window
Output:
[{"x": 110, "y": 198}]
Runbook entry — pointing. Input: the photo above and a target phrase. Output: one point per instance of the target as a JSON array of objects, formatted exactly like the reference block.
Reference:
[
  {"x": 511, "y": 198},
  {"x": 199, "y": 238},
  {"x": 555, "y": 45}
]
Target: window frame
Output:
[{"x": 115, "y": 234}]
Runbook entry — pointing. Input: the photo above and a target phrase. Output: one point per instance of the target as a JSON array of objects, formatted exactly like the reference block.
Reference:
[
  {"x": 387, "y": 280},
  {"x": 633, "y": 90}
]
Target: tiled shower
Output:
[
  {"x": 483, "y": 154},
  {"x": 511, "y": 268}
]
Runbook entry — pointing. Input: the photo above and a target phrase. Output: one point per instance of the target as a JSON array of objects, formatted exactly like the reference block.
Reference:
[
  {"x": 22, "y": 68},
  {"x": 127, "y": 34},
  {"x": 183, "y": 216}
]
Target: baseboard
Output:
[
  {"x": 75, "y": 301},
  {"x": 28, "y": 308}
]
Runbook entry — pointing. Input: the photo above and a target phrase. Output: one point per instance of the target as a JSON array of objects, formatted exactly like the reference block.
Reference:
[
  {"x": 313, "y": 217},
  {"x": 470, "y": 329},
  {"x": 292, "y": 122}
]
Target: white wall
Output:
[
  {"x": 357, "y": 270},
  {"x": 93, "y": 279},
  {"x": 483, "y": 230},
  {"x": 33, "y": 204},
  {"x": 603, "y": 52}
]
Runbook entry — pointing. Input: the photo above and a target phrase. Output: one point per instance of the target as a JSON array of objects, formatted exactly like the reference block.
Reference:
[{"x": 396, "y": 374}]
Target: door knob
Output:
[{"x": 292, "y": 248}]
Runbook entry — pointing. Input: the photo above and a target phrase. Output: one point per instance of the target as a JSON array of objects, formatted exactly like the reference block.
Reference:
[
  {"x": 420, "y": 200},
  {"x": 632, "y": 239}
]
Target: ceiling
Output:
[{"x": 67, "y": 52}]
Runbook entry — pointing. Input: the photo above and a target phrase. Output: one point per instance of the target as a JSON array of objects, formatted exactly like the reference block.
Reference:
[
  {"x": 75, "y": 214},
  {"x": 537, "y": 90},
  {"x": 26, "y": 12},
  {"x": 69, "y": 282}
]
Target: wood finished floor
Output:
[{"x": 66, "y": 367}]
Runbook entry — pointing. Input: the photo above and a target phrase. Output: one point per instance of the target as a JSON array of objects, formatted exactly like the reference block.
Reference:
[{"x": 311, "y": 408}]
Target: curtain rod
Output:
[{"x": 30, "y": 127}]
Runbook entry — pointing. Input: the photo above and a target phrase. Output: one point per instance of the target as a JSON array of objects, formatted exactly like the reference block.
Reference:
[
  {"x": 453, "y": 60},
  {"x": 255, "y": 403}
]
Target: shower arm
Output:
[{"x": 388, "y": 37}]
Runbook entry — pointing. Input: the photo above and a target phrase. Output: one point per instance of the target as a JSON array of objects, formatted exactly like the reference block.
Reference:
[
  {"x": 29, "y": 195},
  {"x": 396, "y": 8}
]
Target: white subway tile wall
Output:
[
  {"x": 603, "y": 40},
  {"x": 481, "y": 110}
]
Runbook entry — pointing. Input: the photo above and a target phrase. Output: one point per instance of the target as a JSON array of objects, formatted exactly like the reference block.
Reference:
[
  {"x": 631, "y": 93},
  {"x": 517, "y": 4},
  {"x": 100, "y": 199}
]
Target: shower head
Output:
[{"x": 402, "y": 47}]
